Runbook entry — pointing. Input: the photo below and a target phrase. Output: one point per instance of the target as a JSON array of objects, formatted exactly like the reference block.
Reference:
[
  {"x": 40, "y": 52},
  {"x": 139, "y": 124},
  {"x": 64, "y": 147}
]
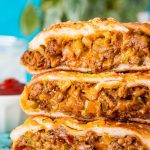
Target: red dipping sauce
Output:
[{"x": 11, "y": 87}]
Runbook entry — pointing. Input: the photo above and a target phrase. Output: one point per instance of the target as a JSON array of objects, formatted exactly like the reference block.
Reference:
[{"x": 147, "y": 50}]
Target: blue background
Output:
[{"x": 10, "y": 13}]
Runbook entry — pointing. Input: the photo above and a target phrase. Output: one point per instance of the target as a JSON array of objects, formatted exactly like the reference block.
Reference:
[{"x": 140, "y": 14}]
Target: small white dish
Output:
[{"x": 11, "y": 114}]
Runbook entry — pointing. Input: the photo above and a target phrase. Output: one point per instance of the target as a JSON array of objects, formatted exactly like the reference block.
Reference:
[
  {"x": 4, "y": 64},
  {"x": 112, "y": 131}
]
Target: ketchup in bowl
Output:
[{"x": 11, "y": 86}]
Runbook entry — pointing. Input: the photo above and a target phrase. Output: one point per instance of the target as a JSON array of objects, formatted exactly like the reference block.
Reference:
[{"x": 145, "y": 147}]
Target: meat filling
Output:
[
  {"x": 87, "y": 101},
  {"x": 58, "y": 140},
  {"x": 98, "y": 52}
]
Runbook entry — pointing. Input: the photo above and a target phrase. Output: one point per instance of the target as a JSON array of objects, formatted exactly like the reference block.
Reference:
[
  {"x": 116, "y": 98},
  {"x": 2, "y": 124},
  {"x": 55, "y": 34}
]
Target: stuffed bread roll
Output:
[
  {"x": 95, "y": 45},
  {"x": 89, "y": 96},
  {"x": 68, "y": 134}
]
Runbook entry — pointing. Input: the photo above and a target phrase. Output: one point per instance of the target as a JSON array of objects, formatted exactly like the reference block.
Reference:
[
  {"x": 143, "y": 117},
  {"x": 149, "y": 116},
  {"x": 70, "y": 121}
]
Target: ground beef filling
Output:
[
  {"x": 104, "y": 51},
  {"x": 83, "y": 100},
  {"x": 58, "y": 140}
]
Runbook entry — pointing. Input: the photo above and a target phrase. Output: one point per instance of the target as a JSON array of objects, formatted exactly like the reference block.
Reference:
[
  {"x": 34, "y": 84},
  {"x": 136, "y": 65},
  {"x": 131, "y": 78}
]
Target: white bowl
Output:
[{"x": 11, "y": 114}]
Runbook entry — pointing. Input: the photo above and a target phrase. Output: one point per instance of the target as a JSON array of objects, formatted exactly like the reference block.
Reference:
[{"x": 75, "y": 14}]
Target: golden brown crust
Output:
[
  {"x": 74, "y": 29},
  {"x": 139, "y": 27},
  {"x": 85, "y": 70},
  {"x": 110, "y": 23},
  {"x": 77, "y": 76},
  {"x": 75, "y": 127}
]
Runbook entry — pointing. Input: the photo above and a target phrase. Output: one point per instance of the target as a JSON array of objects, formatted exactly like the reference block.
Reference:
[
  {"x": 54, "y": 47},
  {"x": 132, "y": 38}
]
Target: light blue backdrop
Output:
[{"x": 10, "y": 12}]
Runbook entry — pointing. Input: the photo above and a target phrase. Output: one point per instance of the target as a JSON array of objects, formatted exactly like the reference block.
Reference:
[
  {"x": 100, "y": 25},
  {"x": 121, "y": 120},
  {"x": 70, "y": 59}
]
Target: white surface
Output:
[
  {"x": 11, "y": 49},
  {"x": 11, "y": 114}
]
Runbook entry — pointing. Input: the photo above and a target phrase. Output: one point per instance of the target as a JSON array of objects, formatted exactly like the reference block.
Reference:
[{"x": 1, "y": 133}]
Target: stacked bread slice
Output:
[{"x": 91, "y": 89}]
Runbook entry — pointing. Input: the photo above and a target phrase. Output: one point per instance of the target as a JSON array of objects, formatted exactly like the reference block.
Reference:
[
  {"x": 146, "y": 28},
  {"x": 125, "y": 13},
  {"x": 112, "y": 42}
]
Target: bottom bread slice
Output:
[{"x": 42, "y": 133}]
